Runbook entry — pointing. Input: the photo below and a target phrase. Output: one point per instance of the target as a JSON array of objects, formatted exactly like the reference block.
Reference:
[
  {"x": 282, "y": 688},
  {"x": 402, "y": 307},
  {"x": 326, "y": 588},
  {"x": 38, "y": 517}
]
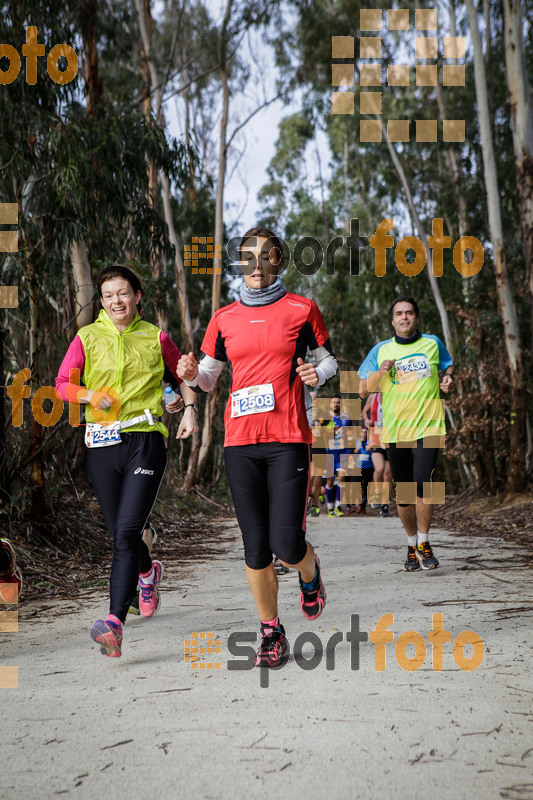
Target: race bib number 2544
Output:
[{"x": 102, "y": 435}]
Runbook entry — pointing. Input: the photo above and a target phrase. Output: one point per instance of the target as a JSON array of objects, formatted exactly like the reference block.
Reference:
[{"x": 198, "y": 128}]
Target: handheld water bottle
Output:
[{"x": 169, "y": 395}]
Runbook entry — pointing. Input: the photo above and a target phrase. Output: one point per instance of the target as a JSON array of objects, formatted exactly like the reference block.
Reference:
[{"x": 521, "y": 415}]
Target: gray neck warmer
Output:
[{"x": 263, "y": 297}]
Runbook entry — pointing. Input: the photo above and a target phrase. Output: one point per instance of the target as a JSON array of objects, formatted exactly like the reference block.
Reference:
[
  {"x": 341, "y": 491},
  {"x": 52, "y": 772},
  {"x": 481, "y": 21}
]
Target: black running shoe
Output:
[
  {"x": 280, "y": 568},
  {"x": 273, "y": 647},
  {"x": 411, "y": 563},
  {"x": 424, "y": 554},
  {"x": 384, "y": 511},
  {"x": 312, "y": 601}
]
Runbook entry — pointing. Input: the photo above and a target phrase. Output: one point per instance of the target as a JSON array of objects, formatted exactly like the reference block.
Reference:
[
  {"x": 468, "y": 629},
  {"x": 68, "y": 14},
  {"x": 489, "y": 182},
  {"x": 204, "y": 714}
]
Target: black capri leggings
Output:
[
  {"x": 414, "y": 464},
  {"x": 126, "y": 479},
  {"x": 367, "y": 473},
  {"x": 269, "y": 484}
]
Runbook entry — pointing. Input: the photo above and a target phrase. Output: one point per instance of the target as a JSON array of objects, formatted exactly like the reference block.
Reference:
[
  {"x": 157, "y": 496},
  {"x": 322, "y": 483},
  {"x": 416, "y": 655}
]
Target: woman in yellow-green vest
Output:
[{"x": 120, "y": 360}]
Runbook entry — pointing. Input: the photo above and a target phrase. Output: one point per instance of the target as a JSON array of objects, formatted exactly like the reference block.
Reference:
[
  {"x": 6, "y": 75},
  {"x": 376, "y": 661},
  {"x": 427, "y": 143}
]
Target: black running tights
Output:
[
  {"x": 269, "y": 484},
  {"x": 126, "y": 479}
]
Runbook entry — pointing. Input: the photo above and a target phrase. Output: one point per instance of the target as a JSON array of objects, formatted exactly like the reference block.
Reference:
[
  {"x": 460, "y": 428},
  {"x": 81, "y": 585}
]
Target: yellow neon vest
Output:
[{"x": 130, "y": 362}]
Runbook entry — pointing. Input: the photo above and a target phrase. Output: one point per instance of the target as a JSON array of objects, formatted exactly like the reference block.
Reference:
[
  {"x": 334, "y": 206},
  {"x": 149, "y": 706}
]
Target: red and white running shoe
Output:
[{"x": 149, "y": 599}]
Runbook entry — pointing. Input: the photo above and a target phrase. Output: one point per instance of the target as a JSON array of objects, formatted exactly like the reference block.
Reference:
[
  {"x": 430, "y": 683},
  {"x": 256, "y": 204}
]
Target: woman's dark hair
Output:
[
  {"x": 267, "y": 234},
  {"x": 118, "y": 271},
  {"x": 404, "y": 299}
]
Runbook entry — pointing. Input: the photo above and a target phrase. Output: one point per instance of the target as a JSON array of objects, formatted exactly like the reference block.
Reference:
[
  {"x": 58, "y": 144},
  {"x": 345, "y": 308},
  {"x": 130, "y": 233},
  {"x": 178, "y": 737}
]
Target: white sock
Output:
[
  {"x": 338, "y": 504},
  {"x": 149, "y": 578},
  {"x": 422, "y": 537},
  {"x": 330, "y": 506},
  {"x": 411, "y": 541}
]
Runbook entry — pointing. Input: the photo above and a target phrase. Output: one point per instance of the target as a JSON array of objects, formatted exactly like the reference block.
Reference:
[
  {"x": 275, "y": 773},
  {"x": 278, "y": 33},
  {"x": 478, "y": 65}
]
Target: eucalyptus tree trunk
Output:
[
  {"x": 453, "y": 165},
  {"x": 79, "y": 257},
  {"x": 212, "y": 400},
  {"x": 345, "y": 177},
  {"x": 517, "y": 439},
  {"x": 83, "y": 283},
  {"x": 187, "y": 338},
  {"x": 192, "y": 179},
  {"x": 93, "y": 83},
  {"x": 36, "y": 459},
  {"x": 186, "y": 322},
  {"x": 156, "y": 267},
  {"x": 453, "y": 162},
  {"x": 222, "y": 158},
  {"x": 520, "y": 101}
]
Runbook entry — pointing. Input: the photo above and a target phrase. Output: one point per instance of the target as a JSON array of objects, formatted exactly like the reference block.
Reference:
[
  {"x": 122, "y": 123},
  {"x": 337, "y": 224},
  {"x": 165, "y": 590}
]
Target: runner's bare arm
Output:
[
  {"x": 372, "y": 383},
  {"x": 447, "y": 380},
  {"x": 366, "y": 412},
  {"x": 189, "y": 422}
]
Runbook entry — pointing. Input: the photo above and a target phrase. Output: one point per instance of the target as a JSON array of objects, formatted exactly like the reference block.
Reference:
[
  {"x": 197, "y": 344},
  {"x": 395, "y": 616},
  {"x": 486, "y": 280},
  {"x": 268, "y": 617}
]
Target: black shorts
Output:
[
  {"x": 380, "y": 450},
  {"x": 269, "y": 486},
  {"x": 413, "y": 464}
]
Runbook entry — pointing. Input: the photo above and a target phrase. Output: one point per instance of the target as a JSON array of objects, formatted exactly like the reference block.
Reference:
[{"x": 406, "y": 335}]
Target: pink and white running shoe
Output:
[
  {"x": 149, "y": 599},
  {"x": 109, "y": 636}
]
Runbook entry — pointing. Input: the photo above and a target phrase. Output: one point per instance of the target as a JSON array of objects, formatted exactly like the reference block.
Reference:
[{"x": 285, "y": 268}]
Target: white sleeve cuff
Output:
[
  {"x": 325, "y": 365},
  {"x": 208, "y": 371}
]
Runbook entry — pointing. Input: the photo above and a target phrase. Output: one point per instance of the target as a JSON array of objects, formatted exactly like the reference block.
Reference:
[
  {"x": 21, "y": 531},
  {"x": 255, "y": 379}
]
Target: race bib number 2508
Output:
[{"x": 252, "y": 400}]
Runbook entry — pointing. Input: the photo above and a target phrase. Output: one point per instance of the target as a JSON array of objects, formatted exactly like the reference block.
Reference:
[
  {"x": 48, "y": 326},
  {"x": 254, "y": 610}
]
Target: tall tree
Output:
[
  {"x": 521, "y": 115},
  {"x": 157, "y": 87},
  {"x": 516, "y": 473}
]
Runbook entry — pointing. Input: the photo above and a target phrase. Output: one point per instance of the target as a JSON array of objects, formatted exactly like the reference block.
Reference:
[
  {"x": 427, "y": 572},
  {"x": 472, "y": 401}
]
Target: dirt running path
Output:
[{"x": 84, "y": 726}]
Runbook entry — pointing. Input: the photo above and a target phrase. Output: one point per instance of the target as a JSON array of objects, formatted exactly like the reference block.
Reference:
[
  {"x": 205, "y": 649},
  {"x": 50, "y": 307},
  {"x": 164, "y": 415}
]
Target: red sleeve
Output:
[
  {"x": 171, "y": 354},
  {"x": 317, "y": 325},
  {"x": 74, "y": 360}
]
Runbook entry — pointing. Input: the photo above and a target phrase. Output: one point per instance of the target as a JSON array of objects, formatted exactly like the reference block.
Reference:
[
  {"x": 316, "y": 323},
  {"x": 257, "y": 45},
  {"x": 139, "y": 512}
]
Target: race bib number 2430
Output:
[{"x": 413, "y": 367}]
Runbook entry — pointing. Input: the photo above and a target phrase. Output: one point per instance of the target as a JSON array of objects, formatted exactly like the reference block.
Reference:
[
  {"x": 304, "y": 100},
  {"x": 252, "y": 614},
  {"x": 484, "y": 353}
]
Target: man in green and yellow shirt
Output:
[{"x": 406, "y": 370}]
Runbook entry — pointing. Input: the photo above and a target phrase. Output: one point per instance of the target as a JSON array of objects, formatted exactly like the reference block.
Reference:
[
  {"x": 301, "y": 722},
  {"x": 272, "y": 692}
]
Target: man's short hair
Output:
[{"x": 404, "y": 299}]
